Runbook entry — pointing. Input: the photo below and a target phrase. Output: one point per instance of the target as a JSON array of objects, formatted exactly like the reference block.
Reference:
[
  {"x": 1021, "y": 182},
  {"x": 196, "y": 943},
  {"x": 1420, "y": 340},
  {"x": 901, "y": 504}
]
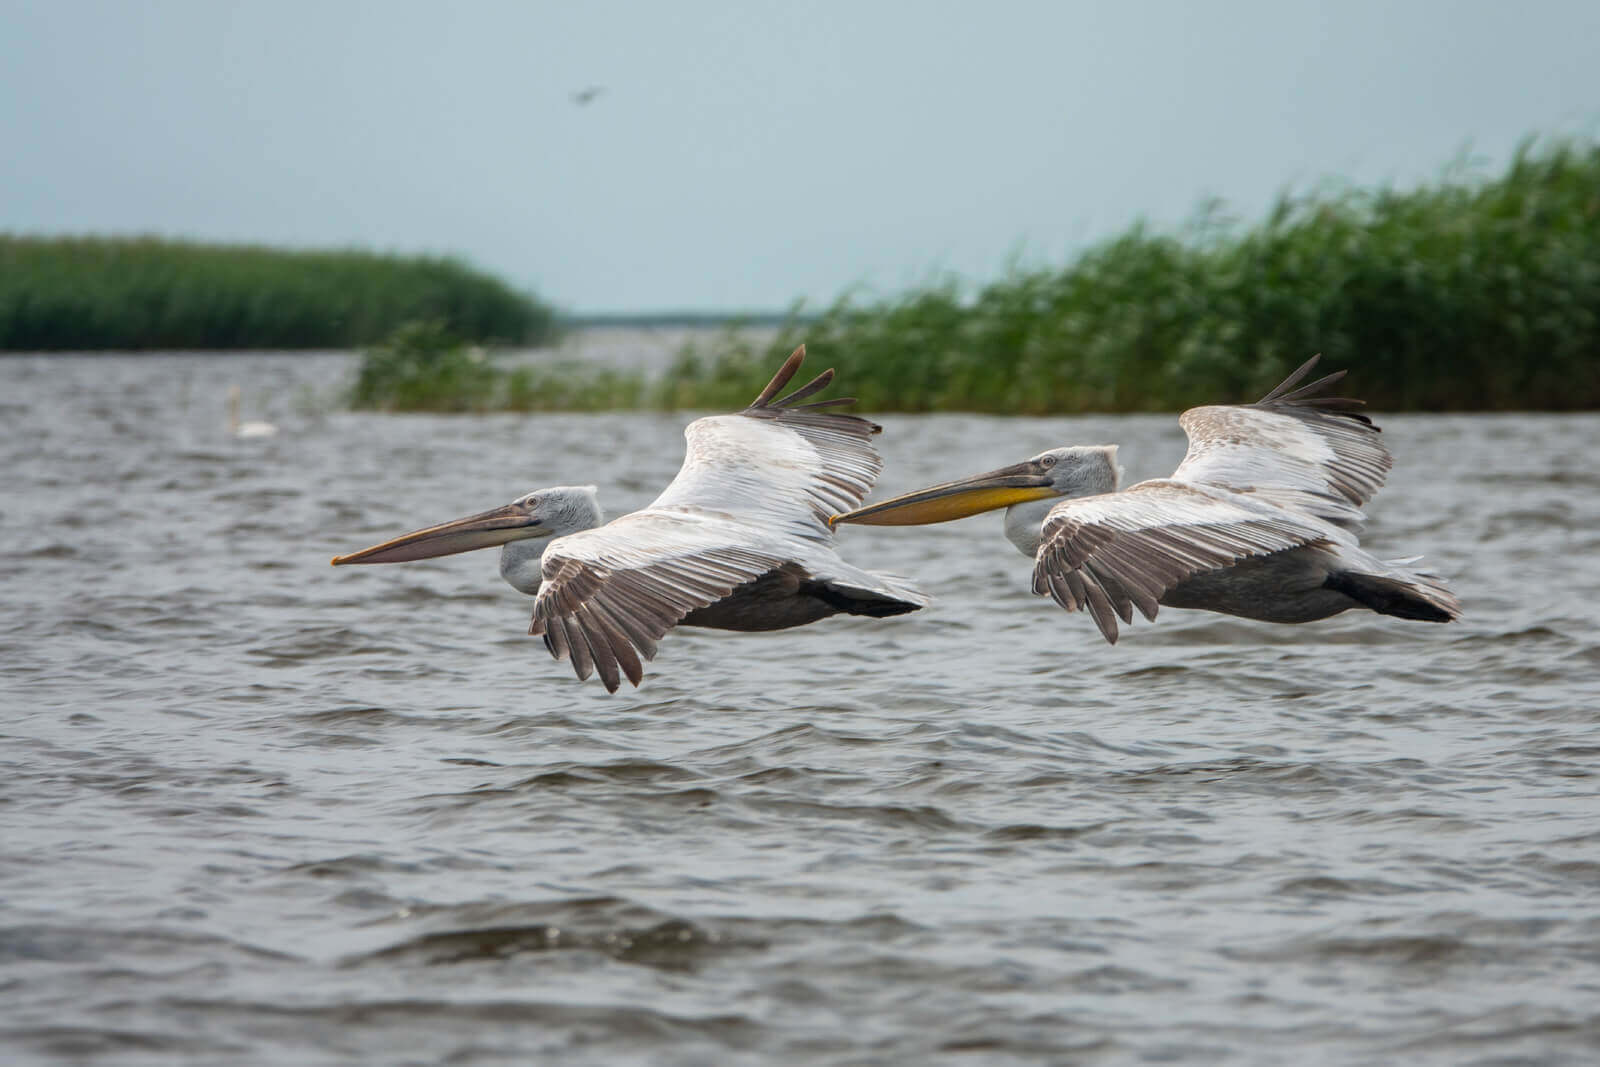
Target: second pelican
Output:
[{"x": 1260, "y": 520}]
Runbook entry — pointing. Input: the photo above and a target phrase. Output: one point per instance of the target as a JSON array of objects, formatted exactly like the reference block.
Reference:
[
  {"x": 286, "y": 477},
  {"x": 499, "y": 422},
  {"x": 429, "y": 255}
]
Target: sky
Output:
[{"x": 743, "y": 155}]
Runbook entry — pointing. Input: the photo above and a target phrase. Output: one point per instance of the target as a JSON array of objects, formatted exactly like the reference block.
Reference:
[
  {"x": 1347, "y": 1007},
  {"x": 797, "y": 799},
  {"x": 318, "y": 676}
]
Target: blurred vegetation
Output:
[
  {"x": 426, "y": 366},
  {"x": 573, "y": 386},
  {"x": 1462, "y": 295},
  {"x": 1467, "y": 294},
  {"x": 146, "y": 293}
]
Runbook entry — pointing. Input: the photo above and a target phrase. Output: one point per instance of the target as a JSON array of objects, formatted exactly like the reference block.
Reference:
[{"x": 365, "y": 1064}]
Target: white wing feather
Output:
[
  {"x": 1295, "y": 449},
  {"x": 754, "y": 492},
  {"x": 790, "y": 471},
  {"x": 1115, "y": 552}
]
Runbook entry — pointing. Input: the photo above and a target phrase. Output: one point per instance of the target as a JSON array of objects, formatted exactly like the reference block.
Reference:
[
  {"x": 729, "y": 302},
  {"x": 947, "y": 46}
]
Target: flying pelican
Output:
[
  {"x": 739, "y": 540},
  {"x": 245, "y": 429},
  {"x": 1260, "y": 520}
]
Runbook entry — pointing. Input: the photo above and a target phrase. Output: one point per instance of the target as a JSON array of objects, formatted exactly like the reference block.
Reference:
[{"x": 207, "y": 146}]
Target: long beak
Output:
[
  {"x": 955, "y": 500},
  {"x": 510, "y": 523}
]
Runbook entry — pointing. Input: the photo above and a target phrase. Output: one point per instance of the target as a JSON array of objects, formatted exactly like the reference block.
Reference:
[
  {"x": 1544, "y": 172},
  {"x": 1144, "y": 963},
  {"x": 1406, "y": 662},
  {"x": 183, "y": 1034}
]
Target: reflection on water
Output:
[{"x": 255, "y": 808}]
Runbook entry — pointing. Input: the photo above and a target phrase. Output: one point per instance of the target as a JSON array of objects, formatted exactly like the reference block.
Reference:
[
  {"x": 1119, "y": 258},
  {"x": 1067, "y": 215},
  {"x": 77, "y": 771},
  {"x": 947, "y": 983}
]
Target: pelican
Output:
[
  {"x": 739, "y": 540},
  {"x": 1260, "y": 520},
  {"x": 245, "y": 429}
]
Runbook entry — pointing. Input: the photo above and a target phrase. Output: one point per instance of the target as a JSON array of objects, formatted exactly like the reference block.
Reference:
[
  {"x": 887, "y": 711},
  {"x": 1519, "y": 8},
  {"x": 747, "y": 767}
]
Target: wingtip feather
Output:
[
  {"x": 1292, "y": 380},
  {"x": 790, "y": 367}
]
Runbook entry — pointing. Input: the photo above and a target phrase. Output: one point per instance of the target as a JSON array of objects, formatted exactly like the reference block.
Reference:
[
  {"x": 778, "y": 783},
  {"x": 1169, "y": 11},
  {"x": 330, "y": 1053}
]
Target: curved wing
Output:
[
  {"x": 750, "y": 484},
  {"x": 1119, "y": 551},
  {"x": 1291, "y": 443},
  {"x": 610, "y": 594},
  {"x": 778, "y": 463}
]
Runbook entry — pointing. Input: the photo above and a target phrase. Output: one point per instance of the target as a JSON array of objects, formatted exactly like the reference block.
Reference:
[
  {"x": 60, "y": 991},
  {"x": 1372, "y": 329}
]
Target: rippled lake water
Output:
[{"x": 254, "y": 809}]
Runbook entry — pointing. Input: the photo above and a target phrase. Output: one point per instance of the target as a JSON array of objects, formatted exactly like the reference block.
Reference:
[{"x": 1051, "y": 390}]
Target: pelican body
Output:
[
  {"x": 1260, "y": 520},
  {"x": 739, "y": 540}
]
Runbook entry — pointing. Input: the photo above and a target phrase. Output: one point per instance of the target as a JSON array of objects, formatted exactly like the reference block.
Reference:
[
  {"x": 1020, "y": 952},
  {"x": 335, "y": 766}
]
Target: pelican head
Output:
[
  {"x": 523, "y": 528},
  {"x": 1027, "y": 490}
]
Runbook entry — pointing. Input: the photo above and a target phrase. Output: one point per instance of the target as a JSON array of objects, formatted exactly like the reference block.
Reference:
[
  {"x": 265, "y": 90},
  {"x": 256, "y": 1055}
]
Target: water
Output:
[{"x": 254, "y": 809}]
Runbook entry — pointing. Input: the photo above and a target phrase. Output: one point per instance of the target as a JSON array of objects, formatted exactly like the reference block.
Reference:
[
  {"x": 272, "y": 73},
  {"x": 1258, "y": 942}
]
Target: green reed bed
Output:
[
  {"x": 425, "y": 366},
  {"x": 147, "y": 293},
  {"x": 1468, "y": 294},
  {"x": 1462, "y": 295}
]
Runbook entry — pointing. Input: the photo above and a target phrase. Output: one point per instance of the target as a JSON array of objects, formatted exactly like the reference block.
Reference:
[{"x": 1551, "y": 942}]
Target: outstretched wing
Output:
[
  {"x": 1294, "y": 447},
  {"x": 610, "y": 594},
  {"x": 1119, "y": 551},
  {"x": 750, "y": 484},
  {"x": 778, "y": 463}
]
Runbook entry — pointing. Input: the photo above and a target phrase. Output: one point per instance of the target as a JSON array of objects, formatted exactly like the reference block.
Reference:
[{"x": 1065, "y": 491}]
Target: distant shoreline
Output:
[
  {"x": 684, "y": 319},
  {"x": 1471, "y": 293}
]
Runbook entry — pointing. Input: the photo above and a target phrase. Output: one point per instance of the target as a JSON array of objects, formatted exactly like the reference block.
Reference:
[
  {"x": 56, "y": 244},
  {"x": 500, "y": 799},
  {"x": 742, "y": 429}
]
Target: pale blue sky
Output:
[{"x": 745, "y": 154}]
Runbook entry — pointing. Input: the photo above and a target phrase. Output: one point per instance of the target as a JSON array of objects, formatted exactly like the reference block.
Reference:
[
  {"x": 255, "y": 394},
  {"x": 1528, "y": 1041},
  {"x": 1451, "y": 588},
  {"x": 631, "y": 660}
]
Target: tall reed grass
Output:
[
  {"x": 148, "y": 293},
  {"x": 1466, "y": 294},
  {"x": 424, "y": 366}
]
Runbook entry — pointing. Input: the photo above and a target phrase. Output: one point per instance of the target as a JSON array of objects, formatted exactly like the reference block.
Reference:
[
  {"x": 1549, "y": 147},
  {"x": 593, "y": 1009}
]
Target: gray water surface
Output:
[{"x": 254, "y": 809}]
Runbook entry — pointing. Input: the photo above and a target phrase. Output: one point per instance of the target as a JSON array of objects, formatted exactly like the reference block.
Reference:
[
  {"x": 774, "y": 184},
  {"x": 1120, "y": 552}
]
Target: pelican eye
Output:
[{"x": 1047, "y": 461}]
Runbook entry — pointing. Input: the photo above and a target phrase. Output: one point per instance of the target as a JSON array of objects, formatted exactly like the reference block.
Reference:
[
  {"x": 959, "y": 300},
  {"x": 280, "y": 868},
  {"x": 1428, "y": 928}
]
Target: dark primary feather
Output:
[
  {"x": 604, "y": 619},
  {"x": 781, "y": 379}
]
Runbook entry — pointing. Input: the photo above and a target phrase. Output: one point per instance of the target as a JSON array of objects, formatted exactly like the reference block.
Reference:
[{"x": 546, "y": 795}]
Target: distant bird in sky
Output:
[
  {"x": 1259, "y": 521},
  {"x": 585, "y": 97},
  {"x": 738, "y": 541},
  {"x": 245, "y": 429}
]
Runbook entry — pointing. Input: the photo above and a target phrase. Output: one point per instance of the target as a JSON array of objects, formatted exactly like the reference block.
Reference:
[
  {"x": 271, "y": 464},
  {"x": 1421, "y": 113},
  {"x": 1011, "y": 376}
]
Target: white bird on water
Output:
[
  {"x": 739, "y": 540},
  {"x": 245, "y": 429},
  {"x": 1260, "y": 520}
]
